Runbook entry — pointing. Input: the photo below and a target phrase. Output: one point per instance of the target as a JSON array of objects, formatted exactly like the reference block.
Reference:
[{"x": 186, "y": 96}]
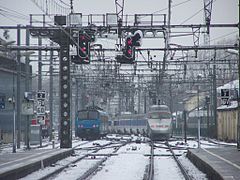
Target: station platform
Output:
[
  {"x": 217, "y": 163},
  {"x": 19, "y": 164}
]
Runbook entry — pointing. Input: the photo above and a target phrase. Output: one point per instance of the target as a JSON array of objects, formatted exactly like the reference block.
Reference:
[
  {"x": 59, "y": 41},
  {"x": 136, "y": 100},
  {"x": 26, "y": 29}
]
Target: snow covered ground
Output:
[{"x": 128, "y": 163}]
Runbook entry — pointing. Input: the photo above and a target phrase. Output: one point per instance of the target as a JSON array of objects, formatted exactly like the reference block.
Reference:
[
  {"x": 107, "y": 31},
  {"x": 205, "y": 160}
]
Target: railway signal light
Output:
[
  {"x": 129, "y": 51},
  {"x": 131, "y": 42},
  {"x": 137, "y": 38},
  {"x": 83, "y": 49},
  {"x": 129, "y": 47},
  {"x": 84, "y": 46}
]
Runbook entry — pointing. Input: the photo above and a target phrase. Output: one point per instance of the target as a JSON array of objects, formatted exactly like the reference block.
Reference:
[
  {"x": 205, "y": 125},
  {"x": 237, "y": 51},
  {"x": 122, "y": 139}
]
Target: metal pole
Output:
[
  {"x": 119, "y": 101},
  {"x": 14, "y": 127},
  {"x": 170, "y": 93},
  {"x": 145, "y": 101},
  {"x": 198, "y": 117},
  {"x": 185, "y": 125},
  {"x": 40, "y": 78},
  {"x": 14, "y": 116},
  {"x": 238, "y": 125},
  {"x": 208, "y": 119},
  {"x": 18, "y": 88},
  {"x": 40, "y": 65},
  {"x": 51, "y": 95},
  {"x": 215, "y": 97},
  {"x": 139, "y": 95},
  {"x": 76, "y": 101},
  {"x": 27, "y": 87}
]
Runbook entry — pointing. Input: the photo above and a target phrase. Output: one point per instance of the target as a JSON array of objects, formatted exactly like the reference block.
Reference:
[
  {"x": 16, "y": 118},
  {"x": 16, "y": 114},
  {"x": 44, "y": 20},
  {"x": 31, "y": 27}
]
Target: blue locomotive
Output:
[{"x": 91, "y": 123}]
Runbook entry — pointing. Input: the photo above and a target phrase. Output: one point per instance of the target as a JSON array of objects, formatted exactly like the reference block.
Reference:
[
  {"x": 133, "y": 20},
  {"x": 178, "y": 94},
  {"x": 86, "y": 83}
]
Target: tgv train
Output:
[
  {"x": 91, "y": 123},
  {"x": 157, "y": 123}
]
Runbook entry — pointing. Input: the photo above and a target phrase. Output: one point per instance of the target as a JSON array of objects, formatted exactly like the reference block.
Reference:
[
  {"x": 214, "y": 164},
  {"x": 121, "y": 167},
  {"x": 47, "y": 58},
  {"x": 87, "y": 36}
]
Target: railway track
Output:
[
  {"x": 181, "y": 167},
  {"x": 95, "y": 168},
  {"x": 149, "y": 171},
  {"x": 92, "y": 154}
]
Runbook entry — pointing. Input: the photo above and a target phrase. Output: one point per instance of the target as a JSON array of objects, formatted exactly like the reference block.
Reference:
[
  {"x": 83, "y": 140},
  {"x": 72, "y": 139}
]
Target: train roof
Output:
[
  {"x": 161, "y": 107},
  {"x": 101, "y": 111},
  {"x": 130, "y": 116}
]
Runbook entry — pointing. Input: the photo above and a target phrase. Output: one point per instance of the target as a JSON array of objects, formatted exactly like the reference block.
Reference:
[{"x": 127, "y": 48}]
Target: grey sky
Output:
[{"x": 224, "y": 11}]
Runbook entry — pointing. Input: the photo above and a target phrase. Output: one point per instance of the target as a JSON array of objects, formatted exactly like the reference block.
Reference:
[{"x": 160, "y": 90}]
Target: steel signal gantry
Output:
[{"x": 61, "y": 37}]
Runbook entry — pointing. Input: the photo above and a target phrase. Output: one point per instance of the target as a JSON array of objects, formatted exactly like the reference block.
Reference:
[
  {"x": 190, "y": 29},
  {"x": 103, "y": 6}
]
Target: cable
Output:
[
  {"x": 65, "y": 3},
  {"x": 7, "y": 9},
  {"x": 8, "y": 17},
  {"x": 175, "y": 5},
  {"x": 193, "y": 15},
  {"x": 225, "y": 35}
]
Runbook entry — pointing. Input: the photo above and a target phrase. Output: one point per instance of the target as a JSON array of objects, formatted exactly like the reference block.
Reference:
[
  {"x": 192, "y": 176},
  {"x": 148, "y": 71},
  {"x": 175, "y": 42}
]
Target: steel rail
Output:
[
  {"x": 59, "y": 170},
  {"x": 181, "y": 167},
  {"x": 149, "y": 172},
  {"x": 93, "y": 169}
]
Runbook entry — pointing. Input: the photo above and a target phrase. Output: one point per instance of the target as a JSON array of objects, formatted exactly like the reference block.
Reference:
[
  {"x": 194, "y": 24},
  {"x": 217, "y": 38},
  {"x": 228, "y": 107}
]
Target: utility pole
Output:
[
  {"x": 18, "y": 88},
  {"x": 145, "y": 101},
  {"x": 170, "y": 91},
  {"x": 39, "y": 64},
  {"x": 14, "y": 113},
  {"x": 207, "y": 104},
  {"x": 215, "y": 96},
  {"x": 198, "y": 121},
  {"x": 238, "y": 124},
  {"x": 40, "y": 78},
  {"x": 139, "y": 95},
  {"x": 185, "y": 125},
  {"x": 77, "y": 97},
  {"x": 27, "y": 88},
  {"x": 51, "y": 94}
]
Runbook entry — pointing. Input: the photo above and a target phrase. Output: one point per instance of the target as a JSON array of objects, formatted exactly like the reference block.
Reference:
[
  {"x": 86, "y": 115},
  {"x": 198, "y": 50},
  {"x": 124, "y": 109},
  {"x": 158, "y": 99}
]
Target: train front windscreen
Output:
[
  {"x": 159, "y": 115},
  {"x": 88, "y": 115}
]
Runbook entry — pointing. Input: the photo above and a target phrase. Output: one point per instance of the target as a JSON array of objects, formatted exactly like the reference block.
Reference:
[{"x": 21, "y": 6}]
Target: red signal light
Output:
[
  {"x": 83, "y": 49},
  {"x": 129, "y": 51},
  {"x": 129, "y": 42},
  {"x": 82, "y": 37}
]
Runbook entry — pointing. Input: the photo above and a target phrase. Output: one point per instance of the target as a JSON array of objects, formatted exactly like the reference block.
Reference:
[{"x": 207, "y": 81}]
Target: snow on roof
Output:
[
  {"x": 232, "y": 105},
  {"x": 194, "y": 113},
  {"x": 231, "y": 85}
]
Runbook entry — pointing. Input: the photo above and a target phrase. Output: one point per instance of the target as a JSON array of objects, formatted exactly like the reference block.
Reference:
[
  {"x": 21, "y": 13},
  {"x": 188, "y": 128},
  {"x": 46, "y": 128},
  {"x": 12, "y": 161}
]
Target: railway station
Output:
[{"x": 98, "y": 90}]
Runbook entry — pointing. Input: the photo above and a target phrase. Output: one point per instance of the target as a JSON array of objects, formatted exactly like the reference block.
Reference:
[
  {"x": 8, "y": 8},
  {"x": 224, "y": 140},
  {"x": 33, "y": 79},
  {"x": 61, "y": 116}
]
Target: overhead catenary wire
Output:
[{"x": 194, "y": 15}]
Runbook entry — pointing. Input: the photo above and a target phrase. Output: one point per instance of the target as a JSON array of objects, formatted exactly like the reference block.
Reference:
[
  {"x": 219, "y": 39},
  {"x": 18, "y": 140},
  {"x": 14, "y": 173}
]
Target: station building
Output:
[{"x": 8, "y": 91}]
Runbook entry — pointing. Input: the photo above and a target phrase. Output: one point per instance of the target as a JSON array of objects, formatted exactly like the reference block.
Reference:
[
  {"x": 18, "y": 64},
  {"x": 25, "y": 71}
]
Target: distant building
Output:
[
  {"x": 8, "y": 88},
  {"x": 228, "y": 112}
]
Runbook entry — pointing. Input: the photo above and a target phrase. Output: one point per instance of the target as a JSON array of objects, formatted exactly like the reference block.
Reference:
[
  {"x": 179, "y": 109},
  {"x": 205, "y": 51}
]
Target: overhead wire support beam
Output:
[
  {"x": 33, "y": 48},
  {"x": 100, "y": 28},
  {"x": 208, "y": 12},
  {"x": 196, "y": 35},
  {"x": 182, "y": 48},
  {"x": 119, "y": 11}
]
